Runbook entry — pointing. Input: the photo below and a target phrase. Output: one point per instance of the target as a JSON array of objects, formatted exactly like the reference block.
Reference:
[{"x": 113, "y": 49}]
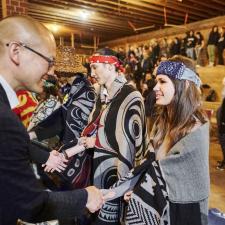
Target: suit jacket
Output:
[{"x": 21, "y": 196}]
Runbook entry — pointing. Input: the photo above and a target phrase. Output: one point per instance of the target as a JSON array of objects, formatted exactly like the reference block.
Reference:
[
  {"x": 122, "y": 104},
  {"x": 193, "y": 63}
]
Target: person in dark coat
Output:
[
  {"x": 175, "y": 47},
  {"x": 220, "y": 116},
  {"x": 221, "y": 46},
  {"x": 27, "y": 51},
  {"x": 212, "y": 44}
]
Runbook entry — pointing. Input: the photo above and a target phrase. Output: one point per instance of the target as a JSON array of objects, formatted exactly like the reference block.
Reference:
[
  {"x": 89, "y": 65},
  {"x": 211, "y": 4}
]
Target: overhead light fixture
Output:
[
  {"x": 53, "y": 27},
  {"x": 84, "y": 14}
]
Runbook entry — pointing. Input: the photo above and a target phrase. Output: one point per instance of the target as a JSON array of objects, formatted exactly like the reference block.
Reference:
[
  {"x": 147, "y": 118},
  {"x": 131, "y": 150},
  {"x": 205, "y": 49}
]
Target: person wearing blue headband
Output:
[{"x": 171, "y": 186}]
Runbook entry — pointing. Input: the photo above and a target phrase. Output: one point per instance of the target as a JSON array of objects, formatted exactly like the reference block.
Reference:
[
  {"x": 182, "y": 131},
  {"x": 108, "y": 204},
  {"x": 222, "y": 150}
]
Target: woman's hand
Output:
[
  {"x": 56, "y": 161},
  {"x": 89, "y": 142},
  {"x": 127, "y": 196}
]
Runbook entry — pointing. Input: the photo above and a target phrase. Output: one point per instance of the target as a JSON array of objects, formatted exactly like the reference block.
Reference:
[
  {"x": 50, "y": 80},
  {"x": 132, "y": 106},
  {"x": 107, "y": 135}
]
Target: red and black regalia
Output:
[{"x": 119, "y": 125}]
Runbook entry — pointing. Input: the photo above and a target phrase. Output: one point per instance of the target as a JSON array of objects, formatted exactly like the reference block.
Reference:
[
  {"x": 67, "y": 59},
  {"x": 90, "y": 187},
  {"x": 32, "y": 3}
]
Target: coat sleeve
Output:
[
  {"x": 21, "y": 196},
  {"x": 38, "y": 153},
  {"x": 51, "y": 126}
]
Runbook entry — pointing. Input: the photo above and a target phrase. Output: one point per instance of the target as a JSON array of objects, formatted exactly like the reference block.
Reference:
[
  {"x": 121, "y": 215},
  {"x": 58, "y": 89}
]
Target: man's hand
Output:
[
  {"x": 95, "y": 199},
  {"x": 56, "y": 161}
]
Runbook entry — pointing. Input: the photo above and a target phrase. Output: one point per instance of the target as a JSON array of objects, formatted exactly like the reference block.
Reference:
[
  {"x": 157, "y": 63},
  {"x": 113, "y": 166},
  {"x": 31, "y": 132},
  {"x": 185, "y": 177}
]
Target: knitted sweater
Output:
[{"x": 186, "y": 170}]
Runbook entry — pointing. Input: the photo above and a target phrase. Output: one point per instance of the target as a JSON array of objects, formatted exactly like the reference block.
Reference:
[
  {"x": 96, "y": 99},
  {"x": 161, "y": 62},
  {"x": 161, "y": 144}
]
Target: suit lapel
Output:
[{"x": 3, "y": 96}]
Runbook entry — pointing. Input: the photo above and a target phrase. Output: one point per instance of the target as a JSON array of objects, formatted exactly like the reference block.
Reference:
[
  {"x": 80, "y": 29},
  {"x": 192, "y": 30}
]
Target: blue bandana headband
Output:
[{"x": 177, "y": 70}]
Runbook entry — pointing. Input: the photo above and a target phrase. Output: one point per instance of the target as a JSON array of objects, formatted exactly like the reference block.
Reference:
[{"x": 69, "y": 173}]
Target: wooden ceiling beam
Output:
[
  {"x": 207, "y": 6},
  {"x": 73, "y": 26},
  {"x": 58, "y": 18},
  {"x": 73, "y": 17},
  {"x": 36, "y": 8},
  {"x": 155, "y": 10},
  {"x": 180, "y": 11},
  {"x": 181, "y": 6},
  {"x": 60, "y": 3},
  {"x": 221, "y": 2},
  {"x": 159, "y": 11},
  {"x": 103, "y": 35},
  {"x": 141, "y": 15}
]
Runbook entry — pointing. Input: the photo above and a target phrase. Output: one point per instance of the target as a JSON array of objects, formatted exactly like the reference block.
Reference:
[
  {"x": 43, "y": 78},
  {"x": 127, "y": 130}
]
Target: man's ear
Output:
[
  {"x": 110, "y": 67},
  {"x": 14, "y": 50}
]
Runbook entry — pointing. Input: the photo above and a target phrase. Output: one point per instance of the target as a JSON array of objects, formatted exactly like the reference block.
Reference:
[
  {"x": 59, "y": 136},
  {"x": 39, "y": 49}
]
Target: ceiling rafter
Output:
[
  {"x": 128, "y": 16},
  {"x": 72, "y": 15},
  {"x": 155, "y": 10},
  {"x": 34, "y": 8},
  {"x": 208, "y": 6},
  {"x": 141, "y": 13},
  {"x": 111, "y": 17},
  {"x": 170, "y": 8}
]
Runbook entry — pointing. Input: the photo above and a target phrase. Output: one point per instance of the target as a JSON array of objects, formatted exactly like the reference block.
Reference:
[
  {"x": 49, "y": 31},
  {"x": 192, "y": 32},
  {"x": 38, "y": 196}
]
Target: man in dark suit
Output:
[{"x": 27, "y": 51}]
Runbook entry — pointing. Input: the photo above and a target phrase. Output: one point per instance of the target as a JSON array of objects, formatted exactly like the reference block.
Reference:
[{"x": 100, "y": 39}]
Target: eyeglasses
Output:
[{"x": 51, "y": 61}]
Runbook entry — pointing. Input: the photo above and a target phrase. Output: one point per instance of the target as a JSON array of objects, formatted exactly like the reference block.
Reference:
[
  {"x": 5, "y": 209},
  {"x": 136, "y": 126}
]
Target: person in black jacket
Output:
[
  {"x": 221, "y": 133},
  {"x": 212, "y": 43},
  {"x": 221, "y": 45},
  {"x": 27, "y": 51},
  {"x": 190, "y": 44},
  {"x": 220, "y": 116}
]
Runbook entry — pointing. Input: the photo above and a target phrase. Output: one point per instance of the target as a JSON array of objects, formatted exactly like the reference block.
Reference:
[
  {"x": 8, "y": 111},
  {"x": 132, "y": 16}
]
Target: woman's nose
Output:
[{"x": 156, "y": 88}]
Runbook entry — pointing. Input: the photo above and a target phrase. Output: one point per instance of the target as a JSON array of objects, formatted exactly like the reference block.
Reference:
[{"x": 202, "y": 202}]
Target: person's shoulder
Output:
[
  {"x": 129, "y": 89},
  {"x": 130, "y": 93},
  {"x": 5, "y": 110},
  {"x": 7, "y": 117}
]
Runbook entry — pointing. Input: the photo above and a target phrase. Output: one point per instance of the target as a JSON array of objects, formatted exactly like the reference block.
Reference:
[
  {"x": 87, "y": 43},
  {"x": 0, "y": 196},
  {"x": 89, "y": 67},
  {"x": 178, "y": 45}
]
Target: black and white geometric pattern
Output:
[
  {"x": 120, "y": 142},
  {"x": 149, "y": 201}
]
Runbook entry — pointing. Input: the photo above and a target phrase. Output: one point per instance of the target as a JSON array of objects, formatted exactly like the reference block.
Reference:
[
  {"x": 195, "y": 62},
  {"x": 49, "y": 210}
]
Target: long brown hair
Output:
[{"x": 179, "y": 117}]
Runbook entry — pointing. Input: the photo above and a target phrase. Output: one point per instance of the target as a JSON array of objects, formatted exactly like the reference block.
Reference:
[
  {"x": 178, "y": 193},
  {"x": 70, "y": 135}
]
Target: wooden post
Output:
[
  {"x": 95, "y": 43},
  {"x": 4, "y": 9},
  {"x": 61, "y": 41},
  {"x": 72, "y": 40}
]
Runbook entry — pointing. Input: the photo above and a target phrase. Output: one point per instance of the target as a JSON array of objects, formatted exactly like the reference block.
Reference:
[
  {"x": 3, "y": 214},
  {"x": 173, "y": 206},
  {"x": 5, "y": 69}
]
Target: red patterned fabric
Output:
[
  {"x": 107, "y": 59},
  {"x": 26, "y": 107}
]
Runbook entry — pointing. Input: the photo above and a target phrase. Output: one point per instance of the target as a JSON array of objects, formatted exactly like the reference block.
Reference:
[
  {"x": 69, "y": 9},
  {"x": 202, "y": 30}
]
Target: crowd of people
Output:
[
  {"x": 131, "y": 149},
  {"x": 206, "y": 51}
]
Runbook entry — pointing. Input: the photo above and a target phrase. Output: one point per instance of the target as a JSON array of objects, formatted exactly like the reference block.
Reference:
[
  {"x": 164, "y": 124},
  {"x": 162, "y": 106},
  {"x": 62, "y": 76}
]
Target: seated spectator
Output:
[{"x": 208, "y": 93}]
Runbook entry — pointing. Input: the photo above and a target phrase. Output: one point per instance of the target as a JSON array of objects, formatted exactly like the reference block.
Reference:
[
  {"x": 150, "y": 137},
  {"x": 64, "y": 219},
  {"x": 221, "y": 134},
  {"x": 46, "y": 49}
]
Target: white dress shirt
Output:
[{"x": 11, "y": 94}]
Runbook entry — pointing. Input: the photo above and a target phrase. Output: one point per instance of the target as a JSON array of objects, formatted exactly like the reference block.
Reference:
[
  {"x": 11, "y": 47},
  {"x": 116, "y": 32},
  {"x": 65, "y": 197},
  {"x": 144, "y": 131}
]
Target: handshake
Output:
[{"x": 96, "y": 198}]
